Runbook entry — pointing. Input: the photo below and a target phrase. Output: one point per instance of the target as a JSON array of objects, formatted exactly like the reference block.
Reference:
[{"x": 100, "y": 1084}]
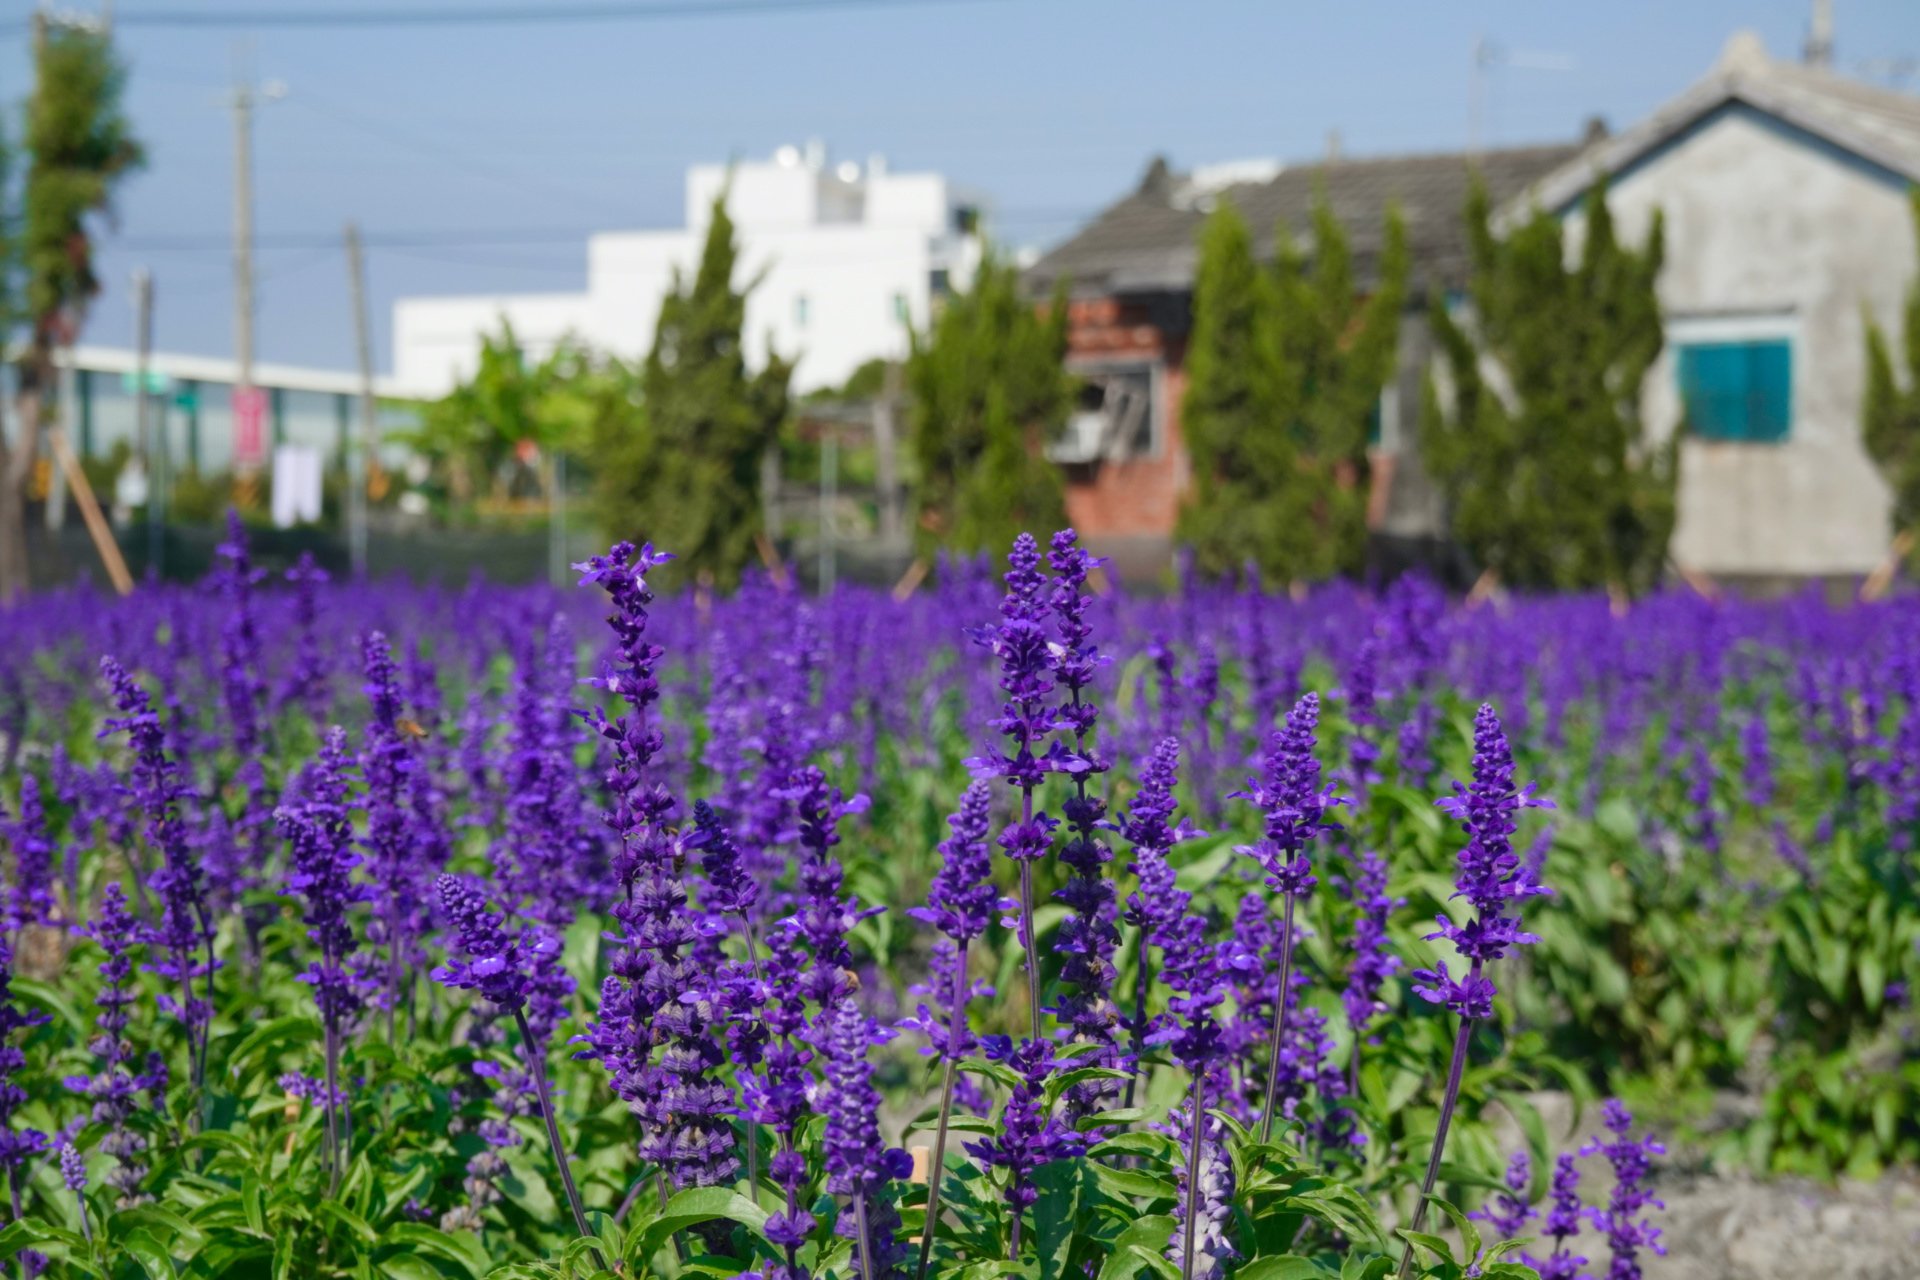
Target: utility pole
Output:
[
  {"x": 886, "y": 456},
  {"x": 829, "y": 500},
  {"x": 151, "y": 444},
  {"x": 248, "y": 411},
  {"x": 359, "y": 447},
  {"x": 1819, "y": 48}
]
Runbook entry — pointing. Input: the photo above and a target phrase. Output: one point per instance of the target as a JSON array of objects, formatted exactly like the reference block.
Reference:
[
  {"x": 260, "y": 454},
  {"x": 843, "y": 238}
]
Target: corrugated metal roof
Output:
[{"x": 1146, "y": 241}]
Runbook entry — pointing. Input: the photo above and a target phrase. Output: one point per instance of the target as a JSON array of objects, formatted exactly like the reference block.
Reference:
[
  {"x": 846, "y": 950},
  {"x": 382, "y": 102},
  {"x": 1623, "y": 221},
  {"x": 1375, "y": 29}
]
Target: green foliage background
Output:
[{"x": 1538, "y": 444}]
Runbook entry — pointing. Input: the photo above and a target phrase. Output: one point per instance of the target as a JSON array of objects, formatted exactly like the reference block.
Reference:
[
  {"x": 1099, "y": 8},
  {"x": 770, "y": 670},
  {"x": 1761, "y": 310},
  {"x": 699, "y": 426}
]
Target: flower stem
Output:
[
  {"x": 1193, "y": 1171},
  {"x": 333, "y": 1119},
  {"x": 1279, "y": 1018},
  {"x": 1440, "y": 1132},
  {"x": 866, "y": 1240},
  {"x": 536, "y": 1059},
  {"x": 1139, "y": 1013},
  {"x": 1027, "y": 940},
  {"x": 939, "y": 1135}
]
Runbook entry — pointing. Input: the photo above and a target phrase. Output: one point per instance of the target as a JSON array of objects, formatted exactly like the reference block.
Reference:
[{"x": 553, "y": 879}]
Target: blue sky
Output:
[{"x": 534, "y": 135}]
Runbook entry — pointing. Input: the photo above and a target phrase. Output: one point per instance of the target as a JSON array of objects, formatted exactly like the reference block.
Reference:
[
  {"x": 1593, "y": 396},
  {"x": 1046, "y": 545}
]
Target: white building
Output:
[{"x": 842, "y": 260}]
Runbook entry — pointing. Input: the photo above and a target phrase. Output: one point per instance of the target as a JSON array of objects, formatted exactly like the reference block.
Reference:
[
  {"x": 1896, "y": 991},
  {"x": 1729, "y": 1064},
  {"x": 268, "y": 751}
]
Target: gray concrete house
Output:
[{"x": 1784, "y": 190}]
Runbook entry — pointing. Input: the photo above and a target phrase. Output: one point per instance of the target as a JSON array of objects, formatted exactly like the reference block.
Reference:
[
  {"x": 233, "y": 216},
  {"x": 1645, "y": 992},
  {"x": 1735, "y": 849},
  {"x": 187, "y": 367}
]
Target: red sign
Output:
[{"x": 249, "y": 413}]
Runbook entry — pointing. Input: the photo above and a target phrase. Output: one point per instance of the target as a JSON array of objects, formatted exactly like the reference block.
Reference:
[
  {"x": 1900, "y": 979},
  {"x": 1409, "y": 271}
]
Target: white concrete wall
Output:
[
  {"x": 1763, "y": 229},
  {"x": 860, "y": 248},
  {"x": 436, "y": 341}
]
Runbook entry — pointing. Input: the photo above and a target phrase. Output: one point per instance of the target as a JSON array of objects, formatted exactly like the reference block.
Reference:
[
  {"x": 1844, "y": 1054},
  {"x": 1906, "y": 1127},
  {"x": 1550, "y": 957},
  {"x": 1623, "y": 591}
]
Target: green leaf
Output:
[
  {"x": 1469, "y": 1234},
  {"x": 1056, "y": 1213},
  {"x": 145, "y": 1250},
  {"x": 1148, "y": 1232},
  {"x": 349, "y": 1219},
  {"x": 51, "y": 1000},
  {"x": 1282, "y": 1266},
  {"x": 462, "y": 1250},
  {"x": 1127, "y": 1115},
  {"x": 19, "y": 1234},
  {"x": 956, "y": 1124},
  {"x": 1156, "y": 1146},
  {"x": 1432, "y": 1243},
  {"x": 1152, "y": 1258},
  {"x": 280, "y": 1033},
  {"x": 1122, "y": 1183},
  {"x": 698, "y": 1204}
]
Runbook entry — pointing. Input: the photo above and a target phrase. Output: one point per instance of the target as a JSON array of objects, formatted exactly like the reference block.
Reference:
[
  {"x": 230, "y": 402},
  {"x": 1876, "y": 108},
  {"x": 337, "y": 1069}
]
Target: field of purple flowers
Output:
[{"x": 1024, "y": 927}]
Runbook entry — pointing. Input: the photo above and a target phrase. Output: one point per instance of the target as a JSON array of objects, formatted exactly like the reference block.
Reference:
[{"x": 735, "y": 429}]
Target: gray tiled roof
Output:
[
  {"x": 1877, "y": 124},
  {"x": 1145, "y": 242}
]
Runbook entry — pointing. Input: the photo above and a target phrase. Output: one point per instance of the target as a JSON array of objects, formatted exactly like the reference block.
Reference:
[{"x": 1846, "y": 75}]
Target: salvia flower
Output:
[
  {"x": 960, "y": 904},
  {"x": 824, "y": 918},
  {"x": 1632, "y": 1160},
  {"x": 17, "y": 1146},
  {"x": 1371, "y": 966},
  {"x": 1562, "y": 1224},
  {"x": 185, "y": 931},
  {"x": 858, "y": 1163},
  {"x": 31, "y": 898},
  {"x": 114, "y": 1090},
  {"x": 1029, "y": 1137},
  {"x": 1213, "y": 1221},
  {"x": 1508, "y": 1212},
  {"x": 1294, "y": 801},
  {"x": 496, "y": 965},
  {"x": 1492, "y": 878}
]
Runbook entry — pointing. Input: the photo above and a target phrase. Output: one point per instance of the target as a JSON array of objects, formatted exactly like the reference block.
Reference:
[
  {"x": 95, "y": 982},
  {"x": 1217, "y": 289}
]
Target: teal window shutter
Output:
[{"x": 1738, "y": 390}]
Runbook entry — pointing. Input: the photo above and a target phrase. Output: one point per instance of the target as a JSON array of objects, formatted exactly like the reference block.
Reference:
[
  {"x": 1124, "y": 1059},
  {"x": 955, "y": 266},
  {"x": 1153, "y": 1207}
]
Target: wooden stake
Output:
[
  {"x": 771, "y": 559},
  {"x": 1881, "y": 578},
  {"x": 910, "y": 581},
  {"x": 90, "y": 511}
]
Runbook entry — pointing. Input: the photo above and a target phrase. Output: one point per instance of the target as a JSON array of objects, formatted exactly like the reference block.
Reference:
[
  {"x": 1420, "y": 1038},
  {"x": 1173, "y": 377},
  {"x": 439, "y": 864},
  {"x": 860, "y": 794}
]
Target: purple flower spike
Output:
[
  {"x": 496, "y": 966},
  {"x": 1632, "y": 1160},
  {"x": 1295, "y": 802},
  {"x": 186, "y": 924},
  {"x": 17, "y": 1146},
  {"x": 857, "y": 1163},
  {"x": 1028, "y": 1136},
  {"x": 1508, "y": 1212},
  {"x": 1562, "y": 1224},
  {"x": 1492, "y": 876}
]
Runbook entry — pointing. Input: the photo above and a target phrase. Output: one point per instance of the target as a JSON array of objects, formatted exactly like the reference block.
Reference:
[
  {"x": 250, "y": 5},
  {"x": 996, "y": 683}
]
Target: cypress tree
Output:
[
  {"x": 1284, "y": 369},
  {"x": 1891, "y": 416},
  {"x": 79, "y": 146},
  {"x": 989, "y": 388},
  {"x": 686, "y": 474},
  {"x": 1548, "y": 473}
]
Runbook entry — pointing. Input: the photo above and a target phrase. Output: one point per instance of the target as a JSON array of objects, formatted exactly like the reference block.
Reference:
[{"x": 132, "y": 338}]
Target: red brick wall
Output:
[{"x": 1140, "y": 497}]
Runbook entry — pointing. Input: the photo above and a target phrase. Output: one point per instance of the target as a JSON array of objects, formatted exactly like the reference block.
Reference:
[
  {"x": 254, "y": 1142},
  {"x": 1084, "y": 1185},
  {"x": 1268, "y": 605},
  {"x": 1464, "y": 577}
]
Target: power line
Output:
[{"x": 613, "y": 11}]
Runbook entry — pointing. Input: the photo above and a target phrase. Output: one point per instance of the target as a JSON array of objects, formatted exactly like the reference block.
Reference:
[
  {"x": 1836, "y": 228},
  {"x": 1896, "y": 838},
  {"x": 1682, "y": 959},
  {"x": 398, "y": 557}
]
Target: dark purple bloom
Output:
[
  {"x": 1294, "y": 800},
  {"x": 319, "y": 832},
  {"x": 17, "y": 1146},
  {"x": 186, "y": 925},
  {"x": 31, "y": 898},
  {"x": 960, "y": 904},
  {"x": 1363, "y": 747},
  {"x": 387, "y": 766},
  {"x": 496, "y": 966},
  {"x": 1029, "y": 1137},
  {"x": 1492, "y": 877},
  {"x": 115, "y": 1089},
  {"x": 1508, "y": 1211},
  {"x": 1632, "y": 1159},
  {"x": 1372, "y": 966},
  {"x": 241, "y": 686},
  {"x": 1562, "y": 1224},
  {"x": 824, "y": 917},
  {"x": 306, "y": 685},
  {"x": 857, "y": 1162},
  {"x": 1756, "y": 760}
]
